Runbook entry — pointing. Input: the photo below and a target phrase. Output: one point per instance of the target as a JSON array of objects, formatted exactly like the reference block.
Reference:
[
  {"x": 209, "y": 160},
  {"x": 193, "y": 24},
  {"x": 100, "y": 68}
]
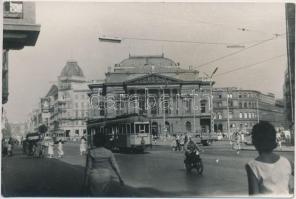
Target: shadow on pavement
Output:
[{"x": 24, "y": 176}]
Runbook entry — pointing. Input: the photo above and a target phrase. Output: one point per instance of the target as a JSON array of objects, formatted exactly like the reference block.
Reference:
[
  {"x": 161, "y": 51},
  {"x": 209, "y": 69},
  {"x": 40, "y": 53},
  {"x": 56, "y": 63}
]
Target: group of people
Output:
[
  {"x": 59, "y": 147},
  {"x": 179, "y": 142},
  {"x": 7, "y": 146}
]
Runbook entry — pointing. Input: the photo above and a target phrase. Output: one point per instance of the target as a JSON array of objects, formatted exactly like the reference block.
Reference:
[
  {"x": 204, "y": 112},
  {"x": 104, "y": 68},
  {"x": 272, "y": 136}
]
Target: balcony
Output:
[{"x": 19, "y": 27}]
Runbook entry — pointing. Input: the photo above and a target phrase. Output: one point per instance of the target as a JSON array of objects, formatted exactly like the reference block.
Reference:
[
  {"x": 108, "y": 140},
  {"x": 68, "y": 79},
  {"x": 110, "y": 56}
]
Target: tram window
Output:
[
  {"x": 124, "y": 128},
  {"x": 128, "y": 127},
  {"x": 132, "y": 128},
  {"x": 146, "y": 128}
]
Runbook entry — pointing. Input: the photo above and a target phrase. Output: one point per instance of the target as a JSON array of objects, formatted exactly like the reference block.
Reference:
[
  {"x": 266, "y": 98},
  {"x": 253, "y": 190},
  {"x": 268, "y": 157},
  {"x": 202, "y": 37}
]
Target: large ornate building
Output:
[
  {"x": 65, "y": 107},
  {"x": 175, "y": 100},
  {"x": 237, "y": 109}
]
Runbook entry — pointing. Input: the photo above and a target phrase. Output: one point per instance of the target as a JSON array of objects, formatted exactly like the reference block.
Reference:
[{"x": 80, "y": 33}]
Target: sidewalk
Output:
[
  {"x": 283, "y": 149},
  {"x": 168, "y": 142}
]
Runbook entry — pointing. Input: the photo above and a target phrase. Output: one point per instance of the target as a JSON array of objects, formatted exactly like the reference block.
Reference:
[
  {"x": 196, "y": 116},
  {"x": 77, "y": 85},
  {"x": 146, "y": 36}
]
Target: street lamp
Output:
[
  {"x": 104, "y": 38},
  {"x": 211, "y": 99}
]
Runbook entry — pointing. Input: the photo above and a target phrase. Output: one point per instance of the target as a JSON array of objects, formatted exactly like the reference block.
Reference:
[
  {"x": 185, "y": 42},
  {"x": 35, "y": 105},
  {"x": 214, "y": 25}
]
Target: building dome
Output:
[
  {"x": 140, "y": 61},
  {"x": 71, "y": 69}
]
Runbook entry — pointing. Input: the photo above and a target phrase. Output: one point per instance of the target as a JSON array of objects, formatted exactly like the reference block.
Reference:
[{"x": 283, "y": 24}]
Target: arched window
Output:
[
  {"x": 245, "y": 105},
  {"x": 240, "y": 105},
  {"x": 188, "y": 126},
  {"x": 219, "y": 115},
  {"x": 240, "y": 115},
  {"x": 167, "y": 126}
]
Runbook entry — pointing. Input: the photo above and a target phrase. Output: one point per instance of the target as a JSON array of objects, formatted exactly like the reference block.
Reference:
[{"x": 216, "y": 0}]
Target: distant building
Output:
[
  {"x": 175, "y": 100},
  {"x": 65, "y": 107},
  {"x": 18, "y": 130},
  {"x": 19, "y": 30},
  {"x": 238, "y": 109}
]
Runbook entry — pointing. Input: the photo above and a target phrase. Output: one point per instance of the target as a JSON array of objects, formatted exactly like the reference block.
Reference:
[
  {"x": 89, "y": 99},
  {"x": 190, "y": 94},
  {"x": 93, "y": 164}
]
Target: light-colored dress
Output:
[
  {"x": 100, "y": 172},
  {"x": 273, "y": 178},
  {"x": 60, "y": 149},
  {"x": 50, "y": 148},
  {"x": 82, "y": 146}
]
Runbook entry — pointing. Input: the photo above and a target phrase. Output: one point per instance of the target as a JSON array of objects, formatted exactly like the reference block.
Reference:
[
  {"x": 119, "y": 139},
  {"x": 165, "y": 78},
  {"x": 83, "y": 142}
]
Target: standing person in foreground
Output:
[
  {"x": 269, "y": 173},
  {"x": 82, "y": 145},
  {"x": 100, "y": 168}
]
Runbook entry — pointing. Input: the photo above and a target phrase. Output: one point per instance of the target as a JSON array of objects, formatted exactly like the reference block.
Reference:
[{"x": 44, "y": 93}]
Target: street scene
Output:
[{"x": 159, "y": 99}]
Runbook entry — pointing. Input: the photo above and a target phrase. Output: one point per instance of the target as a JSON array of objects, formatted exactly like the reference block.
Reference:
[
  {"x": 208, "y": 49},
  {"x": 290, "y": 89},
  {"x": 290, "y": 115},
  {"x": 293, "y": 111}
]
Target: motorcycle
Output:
[{"x": 193, "y": 161}]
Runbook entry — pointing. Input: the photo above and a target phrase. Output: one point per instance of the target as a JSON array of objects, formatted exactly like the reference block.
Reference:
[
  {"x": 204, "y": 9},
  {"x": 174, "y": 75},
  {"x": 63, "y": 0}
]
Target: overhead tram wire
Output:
[
  {"x": 250, "y": 65},
  {"x": 236, "y": 52},
  {"x": 178, "y": 41}
]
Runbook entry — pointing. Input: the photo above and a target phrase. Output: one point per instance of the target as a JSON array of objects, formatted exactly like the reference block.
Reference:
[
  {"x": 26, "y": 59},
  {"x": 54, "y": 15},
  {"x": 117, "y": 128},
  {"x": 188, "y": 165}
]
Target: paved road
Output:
[
  {"x": 163, "y": 170},
  {"x": 158, "y": 172}
]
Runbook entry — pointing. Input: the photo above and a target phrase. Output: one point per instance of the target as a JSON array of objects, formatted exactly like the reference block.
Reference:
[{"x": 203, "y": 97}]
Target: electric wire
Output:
[
  {"x": 250, "y": 65},
  {"x": 236, "y": 52},
  {"x": 178, "y": 41}
]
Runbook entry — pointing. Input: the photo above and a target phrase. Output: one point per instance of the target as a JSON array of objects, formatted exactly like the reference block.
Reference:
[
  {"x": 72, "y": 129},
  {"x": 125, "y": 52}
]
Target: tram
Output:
[{"x": 123, "y": 133}]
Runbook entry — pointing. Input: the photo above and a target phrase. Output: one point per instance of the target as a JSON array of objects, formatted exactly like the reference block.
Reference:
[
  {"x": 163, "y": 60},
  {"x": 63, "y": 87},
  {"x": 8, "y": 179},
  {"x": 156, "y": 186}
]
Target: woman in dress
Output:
[
  {"x": 82, "y": 145},
  {"x": 60, "y": 149},
  {"x": 269, "y": 173},
  {"x": 101, "y": 169},
  {"x": 50, "y": 149}
]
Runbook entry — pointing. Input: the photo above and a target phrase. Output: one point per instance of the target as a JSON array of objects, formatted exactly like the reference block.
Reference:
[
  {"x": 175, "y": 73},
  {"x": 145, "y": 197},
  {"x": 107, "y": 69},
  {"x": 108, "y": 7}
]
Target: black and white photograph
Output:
[{"x": 143, "y": 99}]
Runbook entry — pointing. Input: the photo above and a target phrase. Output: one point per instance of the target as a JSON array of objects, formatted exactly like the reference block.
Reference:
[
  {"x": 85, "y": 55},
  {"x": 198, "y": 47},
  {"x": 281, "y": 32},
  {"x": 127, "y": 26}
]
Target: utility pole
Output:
[{"x": 228, "y": 126}]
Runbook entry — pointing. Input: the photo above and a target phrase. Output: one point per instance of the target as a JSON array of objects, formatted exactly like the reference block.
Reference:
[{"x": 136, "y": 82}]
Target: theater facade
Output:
[{"x": 173, "y": 99}]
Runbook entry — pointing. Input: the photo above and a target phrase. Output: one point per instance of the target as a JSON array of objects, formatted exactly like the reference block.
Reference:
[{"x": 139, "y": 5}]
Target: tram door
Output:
[{"x": 154, "y": 129}]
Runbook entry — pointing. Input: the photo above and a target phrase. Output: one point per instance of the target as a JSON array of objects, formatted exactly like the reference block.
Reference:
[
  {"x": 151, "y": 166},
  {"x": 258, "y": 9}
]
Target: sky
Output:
[{"x": 70, "y": 30}]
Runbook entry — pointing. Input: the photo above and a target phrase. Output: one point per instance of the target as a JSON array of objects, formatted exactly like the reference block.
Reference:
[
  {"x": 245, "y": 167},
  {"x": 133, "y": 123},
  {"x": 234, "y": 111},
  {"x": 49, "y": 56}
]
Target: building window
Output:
[
  {"x": 220, "y": 96},
  {"x": 245, "y": 105},
  {"x": 245, "y": 115},
  {"x": 240, "y": 105},
  {"x": 203, "y": 106},
  {"x": 77, "y": 132},
  {"x": 230, "y": 114},
  {"x": 240, "y": 115},
  {"x": 82, "y": 105},
  {"x": 250, "y": 115},
  {"x": 13, "y": 9},
  {"x": 82, "y": 113},
  {"x": 188, "y": 126},
  {"x": 219, "y": 116},
  {"x": 188, "y": 105}
]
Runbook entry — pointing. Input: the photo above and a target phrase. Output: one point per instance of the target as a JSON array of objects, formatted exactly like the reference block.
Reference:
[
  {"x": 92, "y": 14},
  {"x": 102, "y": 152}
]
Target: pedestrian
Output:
[
  {"x": 82, "y": 145},
  {"x": 50, "y": 149},
  {"x": 100, "y": 166},
  {"x": 173, "y": 145},
  {"x": 9, "y": 147},
  {"x": 269, "y": 173},
  {"x": 60, "y": 149},
  {"x": 178, "y": 145},
  {"x": 279, "y": 140},
  {"x": 182, "y": 142}
]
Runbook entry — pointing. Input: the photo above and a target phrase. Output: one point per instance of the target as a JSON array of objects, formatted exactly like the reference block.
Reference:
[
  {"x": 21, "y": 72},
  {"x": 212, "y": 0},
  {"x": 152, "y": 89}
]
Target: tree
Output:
[{"x": 42, "y": 128}]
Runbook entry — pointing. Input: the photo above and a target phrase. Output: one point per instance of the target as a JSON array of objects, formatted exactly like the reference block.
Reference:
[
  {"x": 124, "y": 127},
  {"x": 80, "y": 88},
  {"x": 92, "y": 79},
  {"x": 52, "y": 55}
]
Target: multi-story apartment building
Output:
[
  {"x": 175, "y": 100},
  {"x": 19, "y": 30},
  {"x": 237, "y": 109},
  {"x": 65, "y": 107}
]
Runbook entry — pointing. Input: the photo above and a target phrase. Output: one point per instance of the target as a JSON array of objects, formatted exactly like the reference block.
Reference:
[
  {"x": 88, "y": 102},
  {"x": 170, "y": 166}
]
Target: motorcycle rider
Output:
[{"x": 190, "y": 148}]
